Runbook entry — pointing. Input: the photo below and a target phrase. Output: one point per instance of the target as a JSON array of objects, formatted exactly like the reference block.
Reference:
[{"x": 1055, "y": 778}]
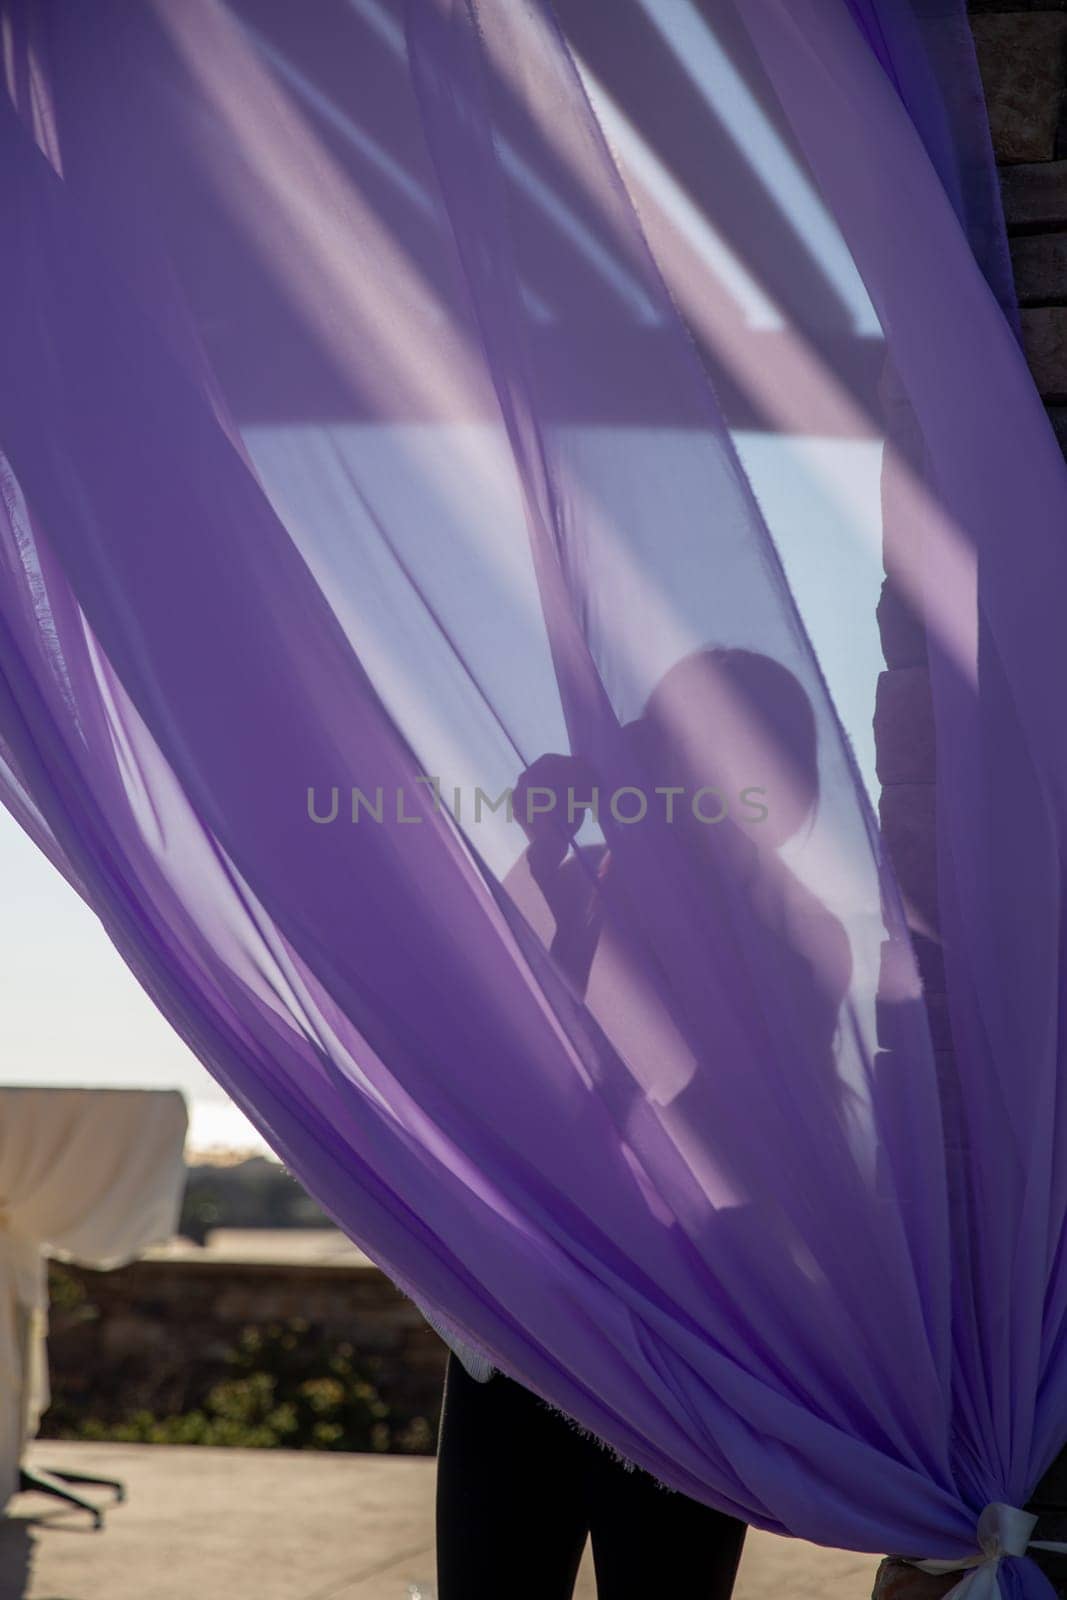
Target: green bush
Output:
[{"x": 283, "y": 1390}]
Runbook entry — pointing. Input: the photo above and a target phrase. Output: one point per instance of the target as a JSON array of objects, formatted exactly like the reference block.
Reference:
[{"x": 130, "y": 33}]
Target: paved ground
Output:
[{"x": 277, "y": 1525}]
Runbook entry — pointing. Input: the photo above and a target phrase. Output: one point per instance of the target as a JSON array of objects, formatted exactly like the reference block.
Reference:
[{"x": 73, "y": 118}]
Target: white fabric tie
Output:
[{"x": 1002, "y": 1531}]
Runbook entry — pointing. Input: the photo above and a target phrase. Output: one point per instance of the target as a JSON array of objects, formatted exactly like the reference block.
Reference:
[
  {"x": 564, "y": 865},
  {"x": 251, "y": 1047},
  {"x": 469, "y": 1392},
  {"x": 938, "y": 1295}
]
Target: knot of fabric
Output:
[{"x": 1004, "y": 1531}]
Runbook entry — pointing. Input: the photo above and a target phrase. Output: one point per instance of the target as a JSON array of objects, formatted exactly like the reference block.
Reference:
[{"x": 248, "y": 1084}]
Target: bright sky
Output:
[{"x": 72, "y": 1012}]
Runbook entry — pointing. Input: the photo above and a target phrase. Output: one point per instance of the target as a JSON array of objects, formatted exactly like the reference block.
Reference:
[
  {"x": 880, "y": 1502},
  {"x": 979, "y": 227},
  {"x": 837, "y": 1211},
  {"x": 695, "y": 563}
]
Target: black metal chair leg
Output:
[
  {"x": 92, "y": 1479},
  {"x": 42, "y": 1482}
]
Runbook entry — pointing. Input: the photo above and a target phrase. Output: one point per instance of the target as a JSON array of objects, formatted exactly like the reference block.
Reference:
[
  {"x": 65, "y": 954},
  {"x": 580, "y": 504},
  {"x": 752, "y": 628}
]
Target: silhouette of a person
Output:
[{"x": 513, "y": 1477}]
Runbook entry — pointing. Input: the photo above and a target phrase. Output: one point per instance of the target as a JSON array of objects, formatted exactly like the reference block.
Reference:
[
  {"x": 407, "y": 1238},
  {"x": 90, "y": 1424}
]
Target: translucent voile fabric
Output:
[{"x": 376, "y": 382}]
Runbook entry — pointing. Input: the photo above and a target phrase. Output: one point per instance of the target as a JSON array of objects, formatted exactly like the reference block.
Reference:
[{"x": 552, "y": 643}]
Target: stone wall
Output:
[
  {"x": 155, "y": 1334},
  {"x": 1022, "y": 54}
]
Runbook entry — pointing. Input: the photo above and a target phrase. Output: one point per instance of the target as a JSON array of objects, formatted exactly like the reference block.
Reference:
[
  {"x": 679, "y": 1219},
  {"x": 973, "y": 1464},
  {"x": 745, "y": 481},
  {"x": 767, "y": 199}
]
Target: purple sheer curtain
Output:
[
  {"x": 375, "y": 382},
  {"x": 926, "y": 50}
]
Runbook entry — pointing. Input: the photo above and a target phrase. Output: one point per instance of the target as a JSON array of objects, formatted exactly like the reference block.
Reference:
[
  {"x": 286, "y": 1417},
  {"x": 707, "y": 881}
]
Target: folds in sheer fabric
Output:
[{"x": 446, "y": 450}]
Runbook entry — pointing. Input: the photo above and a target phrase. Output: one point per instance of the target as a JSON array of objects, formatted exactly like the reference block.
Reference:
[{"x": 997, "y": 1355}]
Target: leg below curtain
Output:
[
  {"x": 510, "y": 1514},
  {"x": 518, "y": 1490},
  {"x": 650, "y": 1541}
]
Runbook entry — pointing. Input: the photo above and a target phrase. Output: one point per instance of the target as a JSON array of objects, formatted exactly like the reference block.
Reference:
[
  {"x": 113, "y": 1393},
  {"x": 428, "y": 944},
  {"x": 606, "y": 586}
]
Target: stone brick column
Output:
[{"x": 1022, "y": 54}]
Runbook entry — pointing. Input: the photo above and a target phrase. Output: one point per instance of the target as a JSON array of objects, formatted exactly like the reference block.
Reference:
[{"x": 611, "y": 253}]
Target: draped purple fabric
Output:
[{"x": 403, "y": 409}]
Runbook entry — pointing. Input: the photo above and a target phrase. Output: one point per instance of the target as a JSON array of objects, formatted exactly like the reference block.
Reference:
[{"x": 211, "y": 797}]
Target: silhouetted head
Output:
[{"x": 731, "y": 720}]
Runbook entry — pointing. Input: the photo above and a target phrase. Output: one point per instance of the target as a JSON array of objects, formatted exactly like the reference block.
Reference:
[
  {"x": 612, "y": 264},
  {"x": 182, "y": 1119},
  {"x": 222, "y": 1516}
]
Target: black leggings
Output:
[{"x": 519, "y": 1489}]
